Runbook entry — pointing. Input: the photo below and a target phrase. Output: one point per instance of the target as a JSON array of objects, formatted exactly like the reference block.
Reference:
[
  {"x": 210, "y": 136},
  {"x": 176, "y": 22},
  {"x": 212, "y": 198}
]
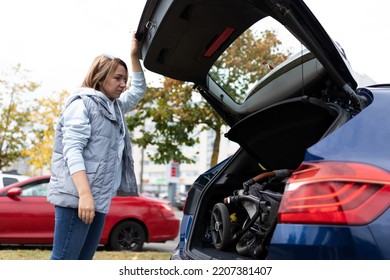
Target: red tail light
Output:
[{"x": 335, "y": 193}]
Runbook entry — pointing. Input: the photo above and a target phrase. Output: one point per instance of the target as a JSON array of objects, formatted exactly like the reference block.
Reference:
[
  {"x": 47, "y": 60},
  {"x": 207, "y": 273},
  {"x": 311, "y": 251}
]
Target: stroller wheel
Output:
[
  {"x": 220, "y": 226},
  {"x": 242, "y": 247}
]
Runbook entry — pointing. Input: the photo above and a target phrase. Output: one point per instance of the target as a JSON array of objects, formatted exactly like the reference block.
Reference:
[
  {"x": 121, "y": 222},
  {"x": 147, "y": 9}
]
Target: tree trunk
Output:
[{"x": 216, "y": 144}]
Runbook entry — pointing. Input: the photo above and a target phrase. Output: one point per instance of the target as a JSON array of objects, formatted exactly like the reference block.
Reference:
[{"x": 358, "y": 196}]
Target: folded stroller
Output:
[{"x": 247, "y": 219}]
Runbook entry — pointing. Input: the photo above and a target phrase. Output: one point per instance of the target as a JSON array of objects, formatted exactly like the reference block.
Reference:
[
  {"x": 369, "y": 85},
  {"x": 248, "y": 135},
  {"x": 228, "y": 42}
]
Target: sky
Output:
[{"x": 57, "y": 40}]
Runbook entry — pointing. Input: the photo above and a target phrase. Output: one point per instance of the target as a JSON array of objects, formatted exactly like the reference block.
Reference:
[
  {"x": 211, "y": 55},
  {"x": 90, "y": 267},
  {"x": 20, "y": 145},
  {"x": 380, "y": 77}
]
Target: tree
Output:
[
  {"x": 172, "y": 112},
  {"x": 238, "y": 69},
  {"x": 15, "y": 88},
  {"x": 44, "y": 116},
  {"x": 178, "y": 112},
  {"x": 247, "y": 60}
]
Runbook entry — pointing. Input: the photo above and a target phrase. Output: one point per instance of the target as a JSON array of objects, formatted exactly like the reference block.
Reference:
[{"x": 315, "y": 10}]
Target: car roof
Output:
[
  {"x": 8, "y": 178},
  {"x": 27, "y": 181}
]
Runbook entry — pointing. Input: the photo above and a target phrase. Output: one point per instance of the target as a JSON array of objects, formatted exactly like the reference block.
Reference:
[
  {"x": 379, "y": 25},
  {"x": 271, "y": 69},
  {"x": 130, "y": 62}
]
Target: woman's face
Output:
[{"x": 115, "y": 83}]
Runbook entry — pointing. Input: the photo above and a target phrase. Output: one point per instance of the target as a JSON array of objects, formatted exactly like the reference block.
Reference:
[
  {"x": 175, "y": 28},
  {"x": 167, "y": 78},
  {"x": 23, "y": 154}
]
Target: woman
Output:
[{"x": 92, "y": 157}]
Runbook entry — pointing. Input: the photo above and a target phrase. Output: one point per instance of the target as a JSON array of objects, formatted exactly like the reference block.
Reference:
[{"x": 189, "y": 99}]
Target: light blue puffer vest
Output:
[{"x": 99, "y": 157}]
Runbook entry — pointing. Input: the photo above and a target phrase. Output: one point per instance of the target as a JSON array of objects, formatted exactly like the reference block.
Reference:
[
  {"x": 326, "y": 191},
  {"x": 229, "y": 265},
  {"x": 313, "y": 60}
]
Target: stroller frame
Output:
[{"x": 250, "y": 234}]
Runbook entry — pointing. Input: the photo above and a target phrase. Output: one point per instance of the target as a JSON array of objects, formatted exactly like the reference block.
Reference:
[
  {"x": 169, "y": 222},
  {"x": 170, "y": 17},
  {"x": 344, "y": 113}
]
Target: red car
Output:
[{"x": 27, "y": 218}]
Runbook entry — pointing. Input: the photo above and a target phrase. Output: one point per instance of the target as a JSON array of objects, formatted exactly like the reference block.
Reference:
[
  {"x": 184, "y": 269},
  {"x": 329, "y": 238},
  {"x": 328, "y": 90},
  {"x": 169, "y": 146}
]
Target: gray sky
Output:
[{"x": 57, "y": 40}]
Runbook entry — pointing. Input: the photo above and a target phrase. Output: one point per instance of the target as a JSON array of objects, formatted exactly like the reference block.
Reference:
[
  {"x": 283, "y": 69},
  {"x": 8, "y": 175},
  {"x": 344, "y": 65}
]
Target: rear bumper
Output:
[
  {"x": 305, "y": 242},
  {"x": 168, "y": 232}
]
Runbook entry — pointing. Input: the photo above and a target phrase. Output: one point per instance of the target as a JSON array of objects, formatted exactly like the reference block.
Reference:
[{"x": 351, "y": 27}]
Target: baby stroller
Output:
[{"x": 247, "y": 219}]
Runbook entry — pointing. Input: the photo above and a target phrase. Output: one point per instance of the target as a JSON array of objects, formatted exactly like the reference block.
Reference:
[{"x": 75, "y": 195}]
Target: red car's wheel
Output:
[{"x": 127, "y": 236}]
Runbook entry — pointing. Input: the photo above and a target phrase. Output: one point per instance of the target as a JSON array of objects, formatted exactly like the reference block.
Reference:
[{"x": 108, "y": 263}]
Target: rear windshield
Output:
[{"x": 252, "y": 56}]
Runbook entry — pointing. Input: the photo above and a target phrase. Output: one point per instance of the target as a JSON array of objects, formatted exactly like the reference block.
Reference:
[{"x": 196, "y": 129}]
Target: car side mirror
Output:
[{"x": 14, "y": 192}]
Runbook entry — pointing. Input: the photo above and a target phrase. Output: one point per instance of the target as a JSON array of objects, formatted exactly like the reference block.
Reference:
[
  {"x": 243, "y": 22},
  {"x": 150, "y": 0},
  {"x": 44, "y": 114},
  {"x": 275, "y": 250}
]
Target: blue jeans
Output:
[{"x": 73, "y": 239}]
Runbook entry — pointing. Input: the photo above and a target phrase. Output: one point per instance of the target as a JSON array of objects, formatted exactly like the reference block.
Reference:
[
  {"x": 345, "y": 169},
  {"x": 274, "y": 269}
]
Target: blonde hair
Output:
[{"x": 103, "y": 66}]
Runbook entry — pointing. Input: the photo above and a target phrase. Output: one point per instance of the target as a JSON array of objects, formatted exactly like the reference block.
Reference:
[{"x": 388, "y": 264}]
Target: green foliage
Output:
[
  {"x": 172, "y": 112},
  {"x": 244, "y": 64},
  {"x": 14, "y": 114}
]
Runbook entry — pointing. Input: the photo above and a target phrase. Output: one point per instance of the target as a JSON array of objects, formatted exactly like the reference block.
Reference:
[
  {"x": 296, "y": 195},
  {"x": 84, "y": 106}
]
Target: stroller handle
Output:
[{"x": 277, "y": 174}]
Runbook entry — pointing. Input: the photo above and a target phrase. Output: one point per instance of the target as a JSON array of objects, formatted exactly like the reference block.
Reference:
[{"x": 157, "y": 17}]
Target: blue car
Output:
[{"x": 311, "y": 176}]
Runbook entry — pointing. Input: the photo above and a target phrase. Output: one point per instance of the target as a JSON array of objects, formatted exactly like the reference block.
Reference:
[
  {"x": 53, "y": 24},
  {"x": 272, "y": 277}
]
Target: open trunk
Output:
[{"x": 274, "y": 138}]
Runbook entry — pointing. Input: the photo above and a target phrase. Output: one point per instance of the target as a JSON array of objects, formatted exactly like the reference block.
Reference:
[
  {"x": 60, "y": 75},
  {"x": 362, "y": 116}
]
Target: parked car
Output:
[
  {"x": 8, "y": 178},
  {"x": 311, "y": 177},
  {"x": 26, "y": 218},
  {"x": 180, "y": 200}
]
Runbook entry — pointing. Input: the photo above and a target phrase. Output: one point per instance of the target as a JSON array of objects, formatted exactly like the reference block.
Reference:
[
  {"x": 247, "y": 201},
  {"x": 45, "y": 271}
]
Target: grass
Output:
[{"x": 44, "y": 254}]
